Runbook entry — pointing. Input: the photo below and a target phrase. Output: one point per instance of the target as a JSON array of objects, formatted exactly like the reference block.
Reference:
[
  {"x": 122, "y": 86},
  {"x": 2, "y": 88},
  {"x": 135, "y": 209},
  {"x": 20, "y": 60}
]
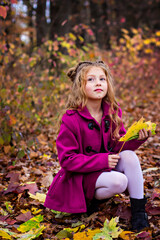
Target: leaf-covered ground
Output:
[{"x": 35, "y": 171}]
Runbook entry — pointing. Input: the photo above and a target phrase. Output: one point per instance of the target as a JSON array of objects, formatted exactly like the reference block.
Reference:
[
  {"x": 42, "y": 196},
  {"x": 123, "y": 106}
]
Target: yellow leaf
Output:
[
  {"x": 62, "y": 86},
  {"x": 50, "y": 78},
  {"x": 4, "y": 235},
  {"x": 148, "y": 50},
  {"x": 158, "y": 34},
  {"x": 147, "y": 41},
  {"x": 124, "y": 31},
  {"x": 86, "y": 235},
  {"x": 25, "y": 211},
  {"x": 72, "y": 36},
  {"x": 134, "y": 31},
  {"x": 122, "y": 40},
  {"x": 153, "y": 40},
  {"x": 12, "y": 45},
  {"x": 45, "y": 156},
  {"x": 31, "y": 224},
  {"x": 127, "y": 235},
  {"x": 39, "y": 196},
  {"x": 158, "y": 44},
  {"x": 9, "y": 207},
  {"x": 76, "y": 229},
  {"x": 32, "y": 234},
  {"x": 81, "y": 38},
  {"x": 133, "y": 131},
  {"x": 28, "y": 183},
  {"x": 66, "y": 44},
  {"x": 35, "y": 210}
]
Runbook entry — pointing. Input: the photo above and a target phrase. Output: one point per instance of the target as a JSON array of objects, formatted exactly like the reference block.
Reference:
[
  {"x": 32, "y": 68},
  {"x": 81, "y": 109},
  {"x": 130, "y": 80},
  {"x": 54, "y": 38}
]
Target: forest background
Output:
[{"x": 39, "y": 41}]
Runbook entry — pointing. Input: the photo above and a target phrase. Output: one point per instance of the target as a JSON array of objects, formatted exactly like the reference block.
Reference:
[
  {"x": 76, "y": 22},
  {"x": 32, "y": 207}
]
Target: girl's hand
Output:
[
  {"x": 113, "y": 160},
  {"x": 143, "y": 134}
]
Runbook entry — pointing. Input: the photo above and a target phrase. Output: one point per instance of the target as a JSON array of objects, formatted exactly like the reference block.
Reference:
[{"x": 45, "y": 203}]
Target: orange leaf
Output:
[
  {"x": 127, "y": 235},
  {"x": 3, "y": 12},
  {"x": 12, "y": 120}
]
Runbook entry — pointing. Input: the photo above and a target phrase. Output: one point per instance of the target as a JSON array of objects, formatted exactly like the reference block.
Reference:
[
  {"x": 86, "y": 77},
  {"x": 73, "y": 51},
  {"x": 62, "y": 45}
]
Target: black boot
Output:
[{"x": 139, "y": 216}]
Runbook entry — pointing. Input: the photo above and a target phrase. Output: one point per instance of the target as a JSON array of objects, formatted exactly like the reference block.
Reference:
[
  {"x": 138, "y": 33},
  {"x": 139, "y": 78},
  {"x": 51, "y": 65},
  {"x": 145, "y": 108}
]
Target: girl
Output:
[{"x": 88, "y": 148}]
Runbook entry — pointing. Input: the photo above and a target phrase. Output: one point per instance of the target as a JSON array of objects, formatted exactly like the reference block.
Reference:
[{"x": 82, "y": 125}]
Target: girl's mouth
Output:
[{"x": 98, "y": 90}]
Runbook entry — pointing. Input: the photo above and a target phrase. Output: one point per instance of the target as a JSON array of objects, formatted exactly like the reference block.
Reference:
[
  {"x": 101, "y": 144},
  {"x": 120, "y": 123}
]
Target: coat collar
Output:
[{"x": 86, "y": 114}]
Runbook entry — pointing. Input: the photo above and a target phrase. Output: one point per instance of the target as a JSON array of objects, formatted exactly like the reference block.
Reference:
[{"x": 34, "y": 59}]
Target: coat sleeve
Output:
[
  {"x": 129, "y": 145},
  {"x": 70, "y": 156}
]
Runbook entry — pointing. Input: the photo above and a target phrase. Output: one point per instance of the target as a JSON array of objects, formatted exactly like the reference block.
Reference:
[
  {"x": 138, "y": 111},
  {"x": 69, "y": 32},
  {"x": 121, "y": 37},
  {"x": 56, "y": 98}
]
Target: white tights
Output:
[{"x": 128, "y": 176}]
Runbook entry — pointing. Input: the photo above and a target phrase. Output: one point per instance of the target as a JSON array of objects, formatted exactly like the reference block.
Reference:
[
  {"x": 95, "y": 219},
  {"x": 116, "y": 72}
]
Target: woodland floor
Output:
[{"x": 35, "y": 172}]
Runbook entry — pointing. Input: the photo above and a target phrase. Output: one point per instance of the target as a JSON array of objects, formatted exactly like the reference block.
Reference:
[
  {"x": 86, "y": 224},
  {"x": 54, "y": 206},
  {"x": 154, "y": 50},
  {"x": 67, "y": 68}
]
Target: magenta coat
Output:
[{"x": 79, "y": 151}]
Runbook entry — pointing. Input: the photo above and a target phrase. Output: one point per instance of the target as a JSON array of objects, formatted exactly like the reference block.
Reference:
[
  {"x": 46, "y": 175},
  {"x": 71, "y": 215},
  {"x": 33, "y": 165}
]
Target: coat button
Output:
[
  {"x": 88, "y": 149},
  {"x": 107, "y": 124},
  {"x": 90, "y": 126}
]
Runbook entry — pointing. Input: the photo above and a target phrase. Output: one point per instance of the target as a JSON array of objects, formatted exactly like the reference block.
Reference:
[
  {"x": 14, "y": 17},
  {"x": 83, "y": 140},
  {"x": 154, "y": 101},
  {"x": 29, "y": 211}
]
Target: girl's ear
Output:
[{"x": 71, "y": 74}]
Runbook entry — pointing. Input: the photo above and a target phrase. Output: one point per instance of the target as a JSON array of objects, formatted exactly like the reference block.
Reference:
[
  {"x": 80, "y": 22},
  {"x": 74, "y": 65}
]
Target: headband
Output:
[{"x": 72, "y": 74}]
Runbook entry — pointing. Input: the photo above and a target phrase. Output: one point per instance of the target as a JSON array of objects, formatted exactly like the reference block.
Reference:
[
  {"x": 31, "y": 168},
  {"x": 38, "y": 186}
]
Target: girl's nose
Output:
[{"x": 98, "y": 82}]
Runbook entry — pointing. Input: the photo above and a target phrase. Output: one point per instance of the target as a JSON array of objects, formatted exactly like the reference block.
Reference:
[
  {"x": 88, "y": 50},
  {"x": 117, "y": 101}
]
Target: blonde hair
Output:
[{"x": 77, "y": 99}]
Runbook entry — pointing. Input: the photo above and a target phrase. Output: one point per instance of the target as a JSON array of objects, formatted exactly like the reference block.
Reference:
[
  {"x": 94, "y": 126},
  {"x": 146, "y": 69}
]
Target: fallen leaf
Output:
[
  {"x": 30, "y": 224},
  {"x": 110, "y": 230},
  {"x": 39, "y": 196},
  {"x": 47, "y": 180},
  {"x": 64, "y": 234},
  {"x": 4, "y": 234},
  {"x": 32, "y": 234},
  {"x": 24, "y": 216},
  {"x": 127, "y": 235},
  {"x": 156, "y": 193}
]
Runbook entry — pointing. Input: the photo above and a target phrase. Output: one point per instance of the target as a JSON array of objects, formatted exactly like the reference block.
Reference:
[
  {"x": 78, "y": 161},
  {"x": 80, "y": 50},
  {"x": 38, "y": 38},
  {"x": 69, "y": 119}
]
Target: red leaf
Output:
[
  {"x": 122, "y": 20},
  {"x": 151, "y": 210},
  {"x": 3, "y": 12},
  {"x": 16, "y": 188},
  {"x": 156, "y": 193},
  {"x": 144, "y": 235},
  {"x": 123, "y": 212},
  {"x": 24, "y": 217},
  {"x": 90, "y": 32},
  {"x": 31, "y": 187},
  {"x": 10, "y": 221},
  {"x": 64, "y": 22},
  {"x": 13, "y": 1},
  {"x": 14, "y": 176},
  {"x": 3, "y": 218},
  {"x": 12, "y": 187}
]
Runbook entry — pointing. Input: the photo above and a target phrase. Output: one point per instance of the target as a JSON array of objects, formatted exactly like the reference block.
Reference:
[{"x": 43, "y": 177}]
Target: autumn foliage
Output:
[{"x": 33, "y": 91}]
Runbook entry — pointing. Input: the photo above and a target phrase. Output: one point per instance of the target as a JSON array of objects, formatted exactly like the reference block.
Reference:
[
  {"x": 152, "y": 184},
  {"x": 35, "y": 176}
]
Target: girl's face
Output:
[{"x": 96, "y": 84}]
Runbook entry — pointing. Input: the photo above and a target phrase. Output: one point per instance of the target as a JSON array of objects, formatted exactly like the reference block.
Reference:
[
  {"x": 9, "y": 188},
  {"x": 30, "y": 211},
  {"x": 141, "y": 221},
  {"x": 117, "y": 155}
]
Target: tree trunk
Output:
[
  {"x": 41, "y": 24},
  {"x": 99, "y": 17},
  {"x": 59, "y": 15}
]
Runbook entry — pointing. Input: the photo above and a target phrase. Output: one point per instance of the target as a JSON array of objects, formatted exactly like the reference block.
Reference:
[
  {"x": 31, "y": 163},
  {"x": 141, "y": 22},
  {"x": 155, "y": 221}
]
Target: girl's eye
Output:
[
  {"x": 102, "y": 79},
  {"x": 90, "y": 79}
]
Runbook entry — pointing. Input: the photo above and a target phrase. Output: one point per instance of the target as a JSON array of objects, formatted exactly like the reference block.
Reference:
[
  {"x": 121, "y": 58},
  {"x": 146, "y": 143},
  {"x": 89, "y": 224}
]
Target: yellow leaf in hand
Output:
[{"x": 133, "y": 131}]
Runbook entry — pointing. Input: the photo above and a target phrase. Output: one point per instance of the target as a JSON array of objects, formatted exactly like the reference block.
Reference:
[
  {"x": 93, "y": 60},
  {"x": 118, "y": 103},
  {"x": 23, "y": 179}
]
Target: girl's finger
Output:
[
  {"x": 145, "y": 133},
  {"x": 149, "y": 133},
  {"x": 114, "y": 159},
  {"x": 115, "y": 156},
  {"x": 140, "y": 135}
]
